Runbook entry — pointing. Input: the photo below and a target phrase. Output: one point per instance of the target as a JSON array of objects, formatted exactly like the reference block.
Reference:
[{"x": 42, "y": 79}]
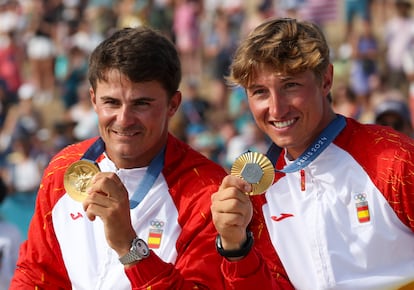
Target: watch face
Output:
[{"x": 142, "y": 248}]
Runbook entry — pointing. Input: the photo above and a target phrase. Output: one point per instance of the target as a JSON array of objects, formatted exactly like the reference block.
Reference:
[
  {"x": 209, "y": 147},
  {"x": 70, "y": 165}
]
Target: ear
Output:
[
  {"x": 174, "y": 103},
  {"x": 93, "y": 97},
  {"x": 327, "y": 80}
]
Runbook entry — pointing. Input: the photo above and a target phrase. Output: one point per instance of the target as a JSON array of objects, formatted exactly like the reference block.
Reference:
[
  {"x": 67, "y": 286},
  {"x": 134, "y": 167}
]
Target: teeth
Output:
[
  {"x": 283, "y": 124},
  {"x": 126, "y": 133}
]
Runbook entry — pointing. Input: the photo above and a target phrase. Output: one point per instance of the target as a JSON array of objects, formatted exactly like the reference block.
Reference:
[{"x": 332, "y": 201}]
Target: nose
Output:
[
  {"x": 126, "y": 116},
  {"x": 276, "y": 106}
]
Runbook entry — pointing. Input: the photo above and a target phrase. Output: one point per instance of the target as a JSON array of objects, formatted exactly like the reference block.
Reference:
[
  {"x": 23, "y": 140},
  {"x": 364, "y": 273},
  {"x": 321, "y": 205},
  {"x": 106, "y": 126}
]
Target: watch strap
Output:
[
  {"x": 138, "y": 251},
  {"x": 243, "y": 251}
]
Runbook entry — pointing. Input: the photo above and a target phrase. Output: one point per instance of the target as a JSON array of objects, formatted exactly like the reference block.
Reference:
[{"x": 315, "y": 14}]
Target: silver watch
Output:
[{"x": 139, "y": 250}]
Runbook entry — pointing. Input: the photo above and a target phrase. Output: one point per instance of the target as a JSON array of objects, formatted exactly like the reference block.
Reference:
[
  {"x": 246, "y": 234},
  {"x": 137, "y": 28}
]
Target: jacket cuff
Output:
[
  {"x": 245, "y": 267},
  {"x": 144, "y": 272}
]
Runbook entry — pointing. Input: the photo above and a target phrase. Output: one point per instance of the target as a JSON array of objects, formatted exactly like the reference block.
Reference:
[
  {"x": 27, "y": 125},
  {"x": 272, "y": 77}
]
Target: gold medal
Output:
[
  {"x": 77, "y": 178},
  {"x": 256, "y": 169}
]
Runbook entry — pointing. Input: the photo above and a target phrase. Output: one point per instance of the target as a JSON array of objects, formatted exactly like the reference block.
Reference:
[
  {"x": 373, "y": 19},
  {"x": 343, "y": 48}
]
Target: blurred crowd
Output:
[{"x": 45, "y": 44}]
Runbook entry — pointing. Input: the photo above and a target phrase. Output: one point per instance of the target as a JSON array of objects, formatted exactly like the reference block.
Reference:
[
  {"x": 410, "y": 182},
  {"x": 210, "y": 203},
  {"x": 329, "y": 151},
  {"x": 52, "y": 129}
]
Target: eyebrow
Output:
[
  {"x": 281, "y": 78},
  {"x": 140, "y": 98},
  {"x": 253, "y": 86}
]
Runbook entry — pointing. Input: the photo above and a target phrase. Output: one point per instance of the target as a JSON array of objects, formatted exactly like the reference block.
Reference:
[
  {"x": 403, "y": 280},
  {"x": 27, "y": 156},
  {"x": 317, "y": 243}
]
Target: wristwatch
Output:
[
  {"x": 243, "y": 251},
  {"x": 139, "y": 250}
]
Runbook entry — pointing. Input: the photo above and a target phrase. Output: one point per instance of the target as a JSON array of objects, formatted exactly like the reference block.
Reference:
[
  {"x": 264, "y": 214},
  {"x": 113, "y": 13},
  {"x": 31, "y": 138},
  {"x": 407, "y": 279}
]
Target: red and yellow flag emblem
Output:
[
  {"x": 362, "y": 207},
  {"x": 155, "y": 234}
]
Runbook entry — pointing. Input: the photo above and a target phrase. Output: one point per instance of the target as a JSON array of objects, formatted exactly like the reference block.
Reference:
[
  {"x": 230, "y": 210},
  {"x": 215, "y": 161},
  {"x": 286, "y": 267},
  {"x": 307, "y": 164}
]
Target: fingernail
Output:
[{"x": 248, "y": 187}]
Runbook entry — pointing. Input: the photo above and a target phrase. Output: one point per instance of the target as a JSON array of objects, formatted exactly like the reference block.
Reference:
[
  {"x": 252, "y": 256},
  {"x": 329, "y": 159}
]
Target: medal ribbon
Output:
[
  {"x": 313, "y": 151},
  {"x": 154, "y": 169}
]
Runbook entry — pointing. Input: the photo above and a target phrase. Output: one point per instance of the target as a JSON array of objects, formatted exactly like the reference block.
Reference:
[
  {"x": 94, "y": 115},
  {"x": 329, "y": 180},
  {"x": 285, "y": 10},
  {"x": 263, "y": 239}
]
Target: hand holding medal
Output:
[
  {"x": 77, "y": 179},
  {"x": 256, "y": 169}
]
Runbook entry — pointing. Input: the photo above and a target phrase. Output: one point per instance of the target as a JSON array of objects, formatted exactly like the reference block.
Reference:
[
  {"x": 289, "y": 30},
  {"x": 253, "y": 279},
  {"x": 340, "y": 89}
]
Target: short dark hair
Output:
[{"x": 141, "y": 54}]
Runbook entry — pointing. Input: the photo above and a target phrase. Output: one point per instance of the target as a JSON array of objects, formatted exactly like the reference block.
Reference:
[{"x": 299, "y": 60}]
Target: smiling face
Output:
[
  {"x": 284, "y": 65},
  {"x": 133, "y": 118},
  {"x": 291, "y": 109}
]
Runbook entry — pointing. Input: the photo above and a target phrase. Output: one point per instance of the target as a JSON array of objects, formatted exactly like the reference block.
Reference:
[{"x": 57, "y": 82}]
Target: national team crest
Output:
[
  {"x": 362, "y": 207},
  {"x": 155, "y": 234}
]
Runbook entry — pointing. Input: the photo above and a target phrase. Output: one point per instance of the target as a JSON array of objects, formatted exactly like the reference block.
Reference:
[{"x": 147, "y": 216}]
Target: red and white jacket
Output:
[
  {"x": 65, "y": 250},
  {"x": 346, "y": 221}
]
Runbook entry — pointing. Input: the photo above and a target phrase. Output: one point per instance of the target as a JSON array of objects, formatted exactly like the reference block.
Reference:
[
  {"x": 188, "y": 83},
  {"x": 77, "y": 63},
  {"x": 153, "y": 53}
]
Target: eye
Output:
[
  {"x": 257, "y": 92},
  {"x": 109, "y": 101},
  {"x": 291, "y": 85},
  {"x": 142, "y": 102}
]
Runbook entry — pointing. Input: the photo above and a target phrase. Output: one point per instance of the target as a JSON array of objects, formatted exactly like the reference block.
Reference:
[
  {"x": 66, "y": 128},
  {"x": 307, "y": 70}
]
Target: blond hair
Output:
[{"x": 288, "y": 45}]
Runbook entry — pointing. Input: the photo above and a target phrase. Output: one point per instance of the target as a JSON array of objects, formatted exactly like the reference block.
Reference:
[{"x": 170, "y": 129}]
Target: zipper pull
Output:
[{"x": 302, "y": 180}]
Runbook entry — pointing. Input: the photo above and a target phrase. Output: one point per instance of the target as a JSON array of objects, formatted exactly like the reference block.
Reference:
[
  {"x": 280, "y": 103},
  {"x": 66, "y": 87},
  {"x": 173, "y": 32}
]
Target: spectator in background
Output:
[
  {"x": 82, "y": 114},
  {"x": 207, "y": 142},
  {"x": 250, "y": 138},
  {"x": 381, "y": 90},
  {"x": 12, "y": 53},
  {"x": 5, "y": 102},
  {"x": 344, "y": 102},
  {"x": 61, "y": 135},
  {"x": 102, "y": 16},
  {"x": 235, "y": 12},
  {"x": 186, "y": 28},
  {"x": 225, "y": 131},
  {"x": 130, "y": 13},
  {"x": 364, "y": 63},
  {"x": 398, "y": 37},
  {"x": 238, "y": 108},
  {"x": 10, "y": 16},
  {"x": 289, "y": 8},
  {"x": 263, "y": 10},
  {"x": 219, "y": 46},
  {"x": 83, "y": 37},
  {"x": 23, "y": 118},
  {"x": 395, "y": 114},
  {"x": 11, "y": 64},
  {"x": 10, "y": 239},
  {"x": 22, "y": 174},
  {"x": 321, "y": 12},
  {"x": 356, "y": 10},
  {"x": 76, "y": 73},
  {"x": 160, "y": 16},
  {"x": 194, "y": 108},
  {"x": 41, "y": 53}
]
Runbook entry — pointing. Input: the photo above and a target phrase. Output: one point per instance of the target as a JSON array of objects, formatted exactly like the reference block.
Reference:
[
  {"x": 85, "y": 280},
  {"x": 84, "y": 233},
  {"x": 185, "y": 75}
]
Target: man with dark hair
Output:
[{"x": 129, "y": 209}]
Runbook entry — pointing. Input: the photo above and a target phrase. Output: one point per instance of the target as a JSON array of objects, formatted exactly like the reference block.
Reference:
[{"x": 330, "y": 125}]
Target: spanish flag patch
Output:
[
  {"x": 155, "y": 234},
  {"x": 361, "y": 205}
]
